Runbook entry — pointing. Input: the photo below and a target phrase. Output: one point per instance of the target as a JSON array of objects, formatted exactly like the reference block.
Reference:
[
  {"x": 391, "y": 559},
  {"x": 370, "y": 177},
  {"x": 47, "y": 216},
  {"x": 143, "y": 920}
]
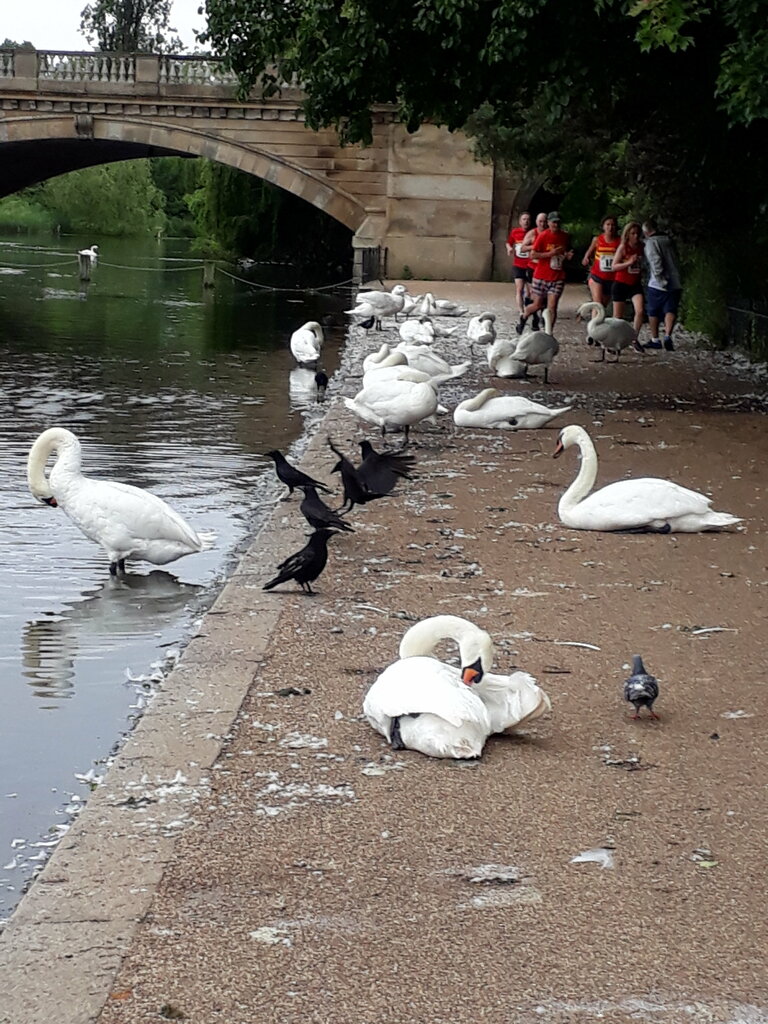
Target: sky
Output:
[{"x": 54, "y": 24}]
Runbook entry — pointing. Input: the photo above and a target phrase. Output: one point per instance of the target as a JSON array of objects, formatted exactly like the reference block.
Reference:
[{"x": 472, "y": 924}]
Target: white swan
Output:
[
  {"x": 491, "y": 408},
  {"x": 611, "y": 333},
  {"x": 395, "y": 403},
  {"x": 645, "y": 504},
  {"x": 379, "y": 304},
  {"x": 417, "y": 332},
  {"x": 307, "y": 342},
  {"x": 92, "y": 253},
  {"x": 402, "y": 371},
  {"x": 538, "y": 348},
  {"x": 126, "y": 521},
  {"x": 482, "y": 328},
  {"x": 424, "y": 358},
  {"x": 500, "y": 355},
  {"x": 380, "y": 358},
  {"x": 430, "y": 306},
  {"x": 423, "y": 704}
]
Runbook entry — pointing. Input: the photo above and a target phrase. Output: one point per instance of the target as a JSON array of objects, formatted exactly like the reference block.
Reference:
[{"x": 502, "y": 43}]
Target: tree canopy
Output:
[
  {"x": 662, "y": 96},
  {"x": 129, "y": 26}
]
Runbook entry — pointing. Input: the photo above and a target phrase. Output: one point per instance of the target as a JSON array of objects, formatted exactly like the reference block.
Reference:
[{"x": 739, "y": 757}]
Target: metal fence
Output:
[{"x": 748, "y": 325}]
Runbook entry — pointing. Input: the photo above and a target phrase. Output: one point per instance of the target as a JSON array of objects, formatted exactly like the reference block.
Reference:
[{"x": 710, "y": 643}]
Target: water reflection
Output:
[
  {"x": 103, "y": 621},
  {"x": 170, "y": 388},
  {"x": 302, "y": 388}
]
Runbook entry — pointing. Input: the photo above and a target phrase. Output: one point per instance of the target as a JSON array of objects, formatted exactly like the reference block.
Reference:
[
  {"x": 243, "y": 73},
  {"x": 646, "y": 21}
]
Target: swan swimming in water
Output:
[
  {"x": 491, "y": 408},
  {"x": 424, "y": 704},
  {"x": 307, "y": 342},
  {"x": 641, "y": 505},
  {"x": 128, "y": 522}
]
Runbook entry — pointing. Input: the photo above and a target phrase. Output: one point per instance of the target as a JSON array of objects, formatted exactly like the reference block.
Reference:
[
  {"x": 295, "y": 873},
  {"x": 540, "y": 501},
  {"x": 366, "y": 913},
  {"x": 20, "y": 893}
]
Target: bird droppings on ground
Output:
[{"x": 598, "y": 855}]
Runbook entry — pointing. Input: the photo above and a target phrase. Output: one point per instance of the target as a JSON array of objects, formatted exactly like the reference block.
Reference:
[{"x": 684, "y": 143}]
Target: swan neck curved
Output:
[
  {"x": 585, "y": 478},
  {"x": 423, "y": 637},
  {"x": 473, "y": 404},
  {"x": 68, "y": 450}
]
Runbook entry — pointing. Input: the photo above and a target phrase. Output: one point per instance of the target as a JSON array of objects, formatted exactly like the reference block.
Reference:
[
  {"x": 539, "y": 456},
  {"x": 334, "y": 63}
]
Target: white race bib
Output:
[
  {"x": 606, "y": 264},
  {"x": 634, "y": 268},
  {"x": 519, "y": 250},
  {"x": 556, "y": 263}
]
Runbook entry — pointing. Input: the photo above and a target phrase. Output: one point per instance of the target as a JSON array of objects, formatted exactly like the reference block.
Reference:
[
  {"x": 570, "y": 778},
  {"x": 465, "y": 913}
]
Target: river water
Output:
[{"x": 170, "y": 387}]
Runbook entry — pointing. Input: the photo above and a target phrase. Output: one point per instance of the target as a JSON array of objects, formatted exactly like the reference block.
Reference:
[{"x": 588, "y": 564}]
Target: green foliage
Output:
[
  {"x": 176, "y": 178},
  {"x": 129, "y": 26},
  {"x": 708, "y": 276},
  {"x": 243, "y": 215},
  {"x": 23, "y": 213},
  {"x": 112, "y": 199}
]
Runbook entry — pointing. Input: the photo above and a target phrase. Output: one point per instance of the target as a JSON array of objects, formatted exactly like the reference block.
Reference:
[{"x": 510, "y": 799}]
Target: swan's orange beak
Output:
[
  {"x": 470, "y": 675},
  {"x": 50, "y": 501},
  {"x": 558, "y": 449}
]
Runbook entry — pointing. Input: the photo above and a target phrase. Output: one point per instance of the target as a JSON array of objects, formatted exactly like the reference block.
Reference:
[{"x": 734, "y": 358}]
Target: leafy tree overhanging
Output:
[{"x": 661, "y": 95}]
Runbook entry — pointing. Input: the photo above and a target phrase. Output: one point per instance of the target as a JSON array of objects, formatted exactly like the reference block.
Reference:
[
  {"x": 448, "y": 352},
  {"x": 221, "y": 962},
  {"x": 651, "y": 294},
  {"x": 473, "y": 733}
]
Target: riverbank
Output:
[{"x": 261, "y": 855}]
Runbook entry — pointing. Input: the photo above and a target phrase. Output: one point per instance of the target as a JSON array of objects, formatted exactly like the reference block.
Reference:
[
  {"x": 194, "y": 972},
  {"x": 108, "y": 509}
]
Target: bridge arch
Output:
[{"x": 106, "y": 139}]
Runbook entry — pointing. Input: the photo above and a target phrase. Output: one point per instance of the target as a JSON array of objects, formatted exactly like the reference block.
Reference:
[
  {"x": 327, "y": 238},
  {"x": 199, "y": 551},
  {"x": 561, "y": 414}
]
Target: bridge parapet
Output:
[{"x": 96, "y": 73}]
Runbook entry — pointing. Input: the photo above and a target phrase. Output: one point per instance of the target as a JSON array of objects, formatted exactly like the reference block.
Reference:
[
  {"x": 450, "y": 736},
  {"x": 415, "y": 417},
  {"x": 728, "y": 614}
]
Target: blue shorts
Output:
[{"x": 660, "y": 303}]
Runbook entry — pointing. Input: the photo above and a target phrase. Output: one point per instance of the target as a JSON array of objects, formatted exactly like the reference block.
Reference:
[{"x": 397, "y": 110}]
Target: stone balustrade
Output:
[{"x": 114, "y": 73}]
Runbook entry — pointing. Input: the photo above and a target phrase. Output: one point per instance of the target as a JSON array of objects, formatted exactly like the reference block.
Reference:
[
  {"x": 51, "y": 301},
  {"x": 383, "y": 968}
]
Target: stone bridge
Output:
[{"x": 422, "y": 197}]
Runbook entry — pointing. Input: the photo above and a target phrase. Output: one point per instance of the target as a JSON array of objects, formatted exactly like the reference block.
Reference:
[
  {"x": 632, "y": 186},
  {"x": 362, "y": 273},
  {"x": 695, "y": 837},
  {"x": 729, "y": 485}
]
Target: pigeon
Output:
[
  {"x": 641, "y": 689},
  {"x": 318, "y": 514},
  {"x": 291, "y": 476},
  {"x": 306, "y": 565},
  {"x": 355, "y": 490},
  {"x": 381, "y": 471}
]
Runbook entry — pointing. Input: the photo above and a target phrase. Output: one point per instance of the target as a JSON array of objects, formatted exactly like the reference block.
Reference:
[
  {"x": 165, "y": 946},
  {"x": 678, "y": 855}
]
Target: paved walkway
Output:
[{"x": 258, "y": 854}]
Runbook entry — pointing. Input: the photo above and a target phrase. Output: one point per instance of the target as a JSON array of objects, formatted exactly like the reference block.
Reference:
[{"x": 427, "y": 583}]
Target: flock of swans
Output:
[{"x": 418, "y": 702}]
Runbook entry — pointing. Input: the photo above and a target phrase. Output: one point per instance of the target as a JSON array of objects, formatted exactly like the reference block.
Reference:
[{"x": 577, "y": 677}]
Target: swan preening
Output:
[
  {"x": 307, "y": 342},
  {"x": 491, "y": 408},
  {"x": 430, "y": 306},
  {"x": 610, "y": 333},
  {"x": 645, "y": 504},
  {"x": 92, "y": 253},
  {"x": 423, "y": 704},
  {"x": 126, "y": 521},
  {"x": 482, "y": 328}
]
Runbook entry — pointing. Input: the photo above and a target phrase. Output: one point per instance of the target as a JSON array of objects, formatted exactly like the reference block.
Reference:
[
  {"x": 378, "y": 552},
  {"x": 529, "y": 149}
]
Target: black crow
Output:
[
  {"x": 318, "y": 514},
  {"x": 321, "y": 382},
  {"x": 641, "y": 689},
  {"x": 291, "y": 476},
  {"x": 381, "y": 471},
  {"x": 306, "y": 565},
  {"x": 355, "y": 490}
]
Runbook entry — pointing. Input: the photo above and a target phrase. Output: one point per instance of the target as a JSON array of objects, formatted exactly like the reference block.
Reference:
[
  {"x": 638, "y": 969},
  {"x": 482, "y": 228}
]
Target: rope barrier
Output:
[
  {"x": 36, "y": 266},
  {"x": 150, "y": 270},
  {"x": 274, "y": 288},
  {"x": 171, "y": 270}
]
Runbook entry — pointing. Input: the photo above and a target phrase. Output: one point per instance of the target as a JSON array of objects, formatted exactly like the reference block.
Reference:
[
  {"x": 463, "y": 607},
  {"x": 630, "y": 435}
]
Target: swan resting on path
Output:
[
  {"x": 423, "y": 704},
  {"x": 641, "y": 505},
  {"x": 491, "y": 408},
  {"x": 127, "y": 521}
]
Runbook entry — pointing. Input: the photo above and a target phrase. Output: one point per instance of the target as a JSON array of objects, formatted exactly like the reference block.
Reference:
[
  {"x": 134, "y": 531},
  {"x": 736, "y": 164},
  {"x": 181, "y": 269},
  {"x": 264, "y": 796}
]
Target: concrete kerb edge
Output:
[{"x": 71, "y": 931}]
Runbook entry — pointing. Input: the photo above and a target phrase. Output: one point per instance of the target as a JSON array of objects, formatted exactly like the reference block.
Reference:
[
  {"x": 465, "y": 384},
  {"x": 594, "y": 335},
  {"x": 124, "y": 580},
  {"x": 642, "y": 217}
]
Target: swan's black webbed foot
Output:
[
  {"x": 121, "y": 565},
  {"x": 113, "y": 568}
]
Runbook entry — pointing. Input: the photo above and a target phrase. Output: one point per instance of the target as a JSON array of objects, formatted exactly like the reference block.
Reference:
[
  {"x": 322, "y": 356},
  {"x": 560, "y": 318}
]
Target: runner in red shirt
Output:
[
  {"x": 603, "y": 249},
  {"x": 521, "y": 265},
  {"x": 550, "y": 250},
  {"x": 626, "y": 279}
]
